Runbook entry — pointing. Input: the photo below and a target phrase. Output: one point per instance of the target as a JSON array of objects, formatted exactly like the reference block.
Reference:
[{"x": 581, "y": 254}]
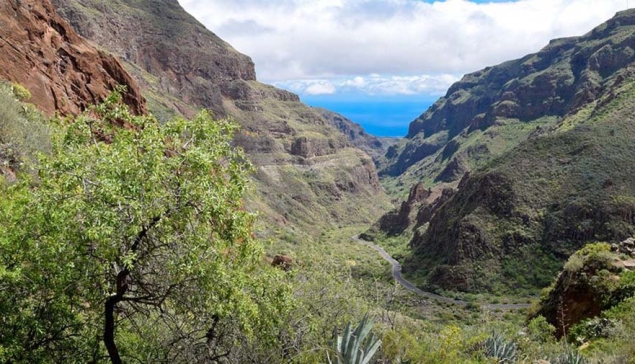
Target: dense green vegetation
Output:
[
  {"x": 136, "y": 231},
  {"x": 126, "y": 239},
  {"x": 129, "y": 238}
]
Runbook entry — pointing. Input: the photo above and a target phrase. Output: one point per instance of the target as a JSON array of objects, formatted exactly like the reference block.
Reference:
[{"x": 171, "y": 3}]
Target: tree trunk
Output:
[
  {"x": 122, "y": 288},
  {"x": 109, "y": 329}
]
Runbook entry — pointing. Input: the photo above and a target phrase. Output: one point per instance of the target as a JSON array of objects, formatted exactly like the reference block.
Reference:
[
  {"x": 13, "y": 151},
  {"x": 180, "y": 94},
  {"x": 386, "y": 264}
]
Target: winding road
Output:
[{"x": 396, "y": 273}]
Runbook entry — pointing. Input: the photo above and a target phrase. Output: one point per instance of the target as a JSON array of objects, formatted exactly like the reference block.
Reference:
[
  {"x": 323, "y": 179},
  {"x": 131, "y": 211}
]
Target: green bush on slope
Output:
[
  {"x": 20, "y": 92},
  {"x": 23, "y": 132}
]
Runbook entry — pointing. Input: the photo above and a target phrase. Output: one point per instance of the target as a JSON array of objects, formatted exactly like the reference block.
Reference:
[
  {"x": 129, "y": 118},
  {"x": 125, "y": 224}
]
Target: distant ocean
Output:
[{"x": 379, "y": 115}]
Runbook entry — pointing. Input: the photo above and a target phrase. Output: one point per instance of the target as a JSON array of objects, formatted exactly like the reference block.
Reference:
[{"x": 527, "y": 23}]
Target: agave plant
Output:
[
  {"x": 497, "y": 347},
  {"x": 355, "y": 347},
  {"x": 570, "y": 357}
]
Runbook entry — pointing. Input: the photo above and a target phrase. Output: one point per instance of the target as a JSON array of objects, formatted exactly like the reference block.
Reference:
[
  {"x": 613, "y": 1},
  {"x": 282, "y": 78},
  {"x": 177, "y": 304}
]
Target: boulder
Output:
[
  {"x": 283, "y": 262},
  {"x": 625, "y": 247}
]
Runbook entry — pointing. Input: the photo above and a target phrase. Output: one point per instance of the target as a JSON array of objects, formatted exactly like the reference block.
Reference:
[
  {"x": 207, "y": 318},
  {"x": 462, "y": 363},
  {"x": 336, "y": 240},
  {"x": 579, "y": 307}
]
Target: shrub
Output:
[
  {"x": 23, "y": 132},
  {"x": 594, "y": 249},
  {"x": 591, "y": 329},
  {"x": 20, "y": 92},
  {"x": 540, "y": 330},
  {"x": 574, "y": 264}
]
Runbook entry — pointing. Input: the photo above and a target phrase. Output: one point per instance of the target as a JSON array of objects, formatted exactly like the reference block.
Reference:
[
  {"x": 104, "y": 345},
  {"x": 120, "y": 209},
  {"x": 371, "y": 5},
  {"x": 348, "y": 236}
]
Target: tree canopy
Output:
[{"x": 132, "y": 241}]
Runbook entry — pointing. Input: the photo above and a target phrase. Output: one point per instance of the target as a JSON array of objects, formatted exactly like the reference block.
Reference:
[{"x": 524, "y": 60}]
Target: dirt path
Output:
[{"x": 396, "y": 273}]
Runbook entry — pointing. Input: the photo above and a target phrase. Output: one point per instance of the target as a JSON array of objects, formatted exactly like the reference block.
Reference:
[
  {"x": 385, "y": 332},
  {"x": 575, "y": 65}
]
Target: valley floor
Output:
[{"x": 423, "y": 327}]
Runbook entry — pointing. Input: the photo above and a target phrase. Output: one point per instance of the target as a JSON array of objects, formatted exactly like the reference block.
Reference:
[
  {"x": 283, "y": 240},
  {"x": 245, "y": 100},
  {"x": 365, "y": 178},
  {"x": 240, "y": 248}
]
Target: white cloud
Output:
[
  {"x": 348, "y": 40},
  {"x": 320, "y": 88},
  {"x": 373, "y": 84}
]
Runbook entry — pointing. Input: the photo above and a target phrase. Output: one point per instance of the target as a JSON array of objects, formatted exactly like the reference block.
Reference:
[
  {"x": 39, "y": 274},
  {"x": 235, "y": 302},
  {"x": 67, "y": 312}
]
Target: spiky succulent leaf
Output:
[
  {"x": 571, "y": 357},
  {"x": 497, "y": 347},
  {"x": 355, "y": 347}
]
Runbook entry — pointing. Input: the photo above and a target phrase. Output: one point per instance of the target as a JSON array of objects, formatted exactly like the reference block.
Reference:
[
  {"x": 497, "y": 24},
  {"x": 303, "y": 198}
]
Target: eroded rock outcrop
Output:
[
  {"x": 396, "y": 223},
  {"x": 63, "y": 72},
  {"x": 590, "y": 283}
]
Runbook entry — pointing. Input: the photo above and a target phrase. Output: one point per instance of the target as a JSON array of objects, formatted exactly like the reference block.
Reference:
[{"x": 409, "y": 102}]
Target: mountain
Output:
[
  {"x": 488, "y": 112},
  {"x": 547, "y": 139},
  {"x": 309, "y": 175},
  {"x": 169, "y": 52},
  {"x": 374, "y": 146},
  {"x": 62, "y": 71}
]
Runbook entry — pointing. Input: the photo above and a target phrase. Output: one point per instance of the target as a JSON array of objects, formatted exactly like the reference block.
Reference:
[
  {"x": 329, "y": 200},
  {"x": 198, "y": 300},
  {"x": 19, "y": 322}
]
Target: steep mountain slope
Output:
[
  {"x": 309, "y": 174},
  {"x": 492, "y": 110},
  {"x": 374, "y": 146},
  {"x": 185, "y": 65},
  {"x": 62, "y": 71},
  {"x": 565, "y": 179}
]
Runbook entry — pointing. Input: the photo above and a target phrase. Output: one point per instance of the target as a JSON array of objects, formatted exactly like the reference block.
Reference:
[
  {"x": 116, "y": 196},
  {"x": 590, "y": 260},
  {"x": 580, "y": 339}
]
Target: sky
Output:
[{"x": 384, "y": 62}]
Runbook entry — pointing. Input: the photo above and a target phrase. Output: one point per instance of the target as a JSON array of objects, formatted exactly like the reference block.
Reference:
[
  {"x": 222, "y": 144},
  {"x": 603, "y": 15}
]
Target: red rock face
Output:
[
  {"x": 63, "y": 72},
  {"x": 190, "y": 63}
]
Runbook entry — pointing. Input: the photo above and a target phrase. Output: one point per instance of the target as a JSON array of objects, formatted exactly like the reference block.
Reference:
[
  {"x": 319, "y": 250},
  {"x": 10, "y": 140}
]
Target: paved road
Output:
[{"x": 396, "y": 273}]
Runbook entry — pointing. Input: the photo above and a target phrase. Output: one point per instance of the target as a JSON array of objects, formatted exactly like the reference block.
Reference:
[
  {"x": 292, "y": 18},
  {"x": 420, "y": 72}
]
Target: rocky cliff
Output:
[
  {"x": 489, "y": 112},
  {"x": 309, "y": 174},
  {"x": 548, "y": 140},
  {"x": 187, "y": 65},
  {"x": 62, "y": 71},
  {"x": 374, "y": 146},
  {"x": 593, "y": 280}
]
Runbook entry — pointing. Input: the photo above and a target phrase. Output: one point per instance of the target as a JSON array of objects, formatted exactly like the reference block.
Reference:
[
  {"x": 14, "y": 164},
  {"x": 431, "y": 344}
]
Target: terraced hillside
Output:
[{"x": 309, "y": 174}]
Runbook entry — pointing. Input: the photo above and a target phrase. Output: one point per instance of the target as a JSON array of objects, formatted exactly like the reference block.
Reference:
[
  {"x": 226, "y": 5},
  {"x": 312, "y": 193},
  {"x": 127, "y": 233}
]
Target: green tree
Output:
[{"x": 135, "y": 235}]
